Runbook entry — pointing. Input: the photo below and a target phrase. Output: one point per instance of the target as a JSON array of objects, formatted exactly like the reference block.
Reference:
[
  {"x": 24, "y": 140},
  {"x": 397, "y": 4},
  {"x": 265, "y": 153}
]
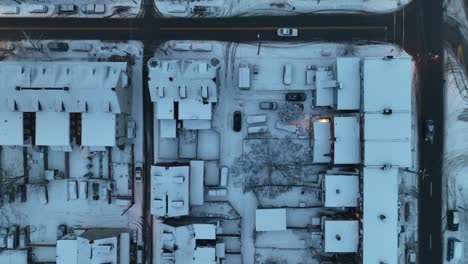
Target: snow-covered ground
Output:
[
  {"x": 249, "y": 187},
  {"x": 234, "y": 8},
  {"x": 44, "y": 218},
  {"x": 455, "y": 168},
  {"x": 72, "y": 8}
]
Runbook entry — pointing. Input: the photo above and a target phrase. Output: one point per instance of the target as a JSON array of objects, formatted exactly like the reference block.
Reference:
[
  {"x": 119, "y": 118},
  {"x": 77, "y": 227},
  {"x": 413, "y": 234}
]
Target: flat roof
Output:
[
  {"x": 263, "y": 219},
  {"x": 67, "y": 251},
  {"x": 341, "y": 190},
  {"x": 52, "y": 128},
  {"x": 322, "y": 142},
  {"x": 11, "y": 129},
  {"x": 387, "y": 84},
  {"x": 349, "y": 80},
  {"x": 347, "y": 144},
  {"x": 197, "y": 174},
  {"x": 380, "y": 219},
  {"x": 205, "y": 231},
  {"x": 168, "y": 128},
  {"x": 204, "y": 255},
  {"x": 326, "y": 84},
  {"x": 170, "y": 190},
  {"x": 98, "y": 129},
  {"x": 396, "y": 126},
  {"x": 341, "y": 236},
  {"x": 395, "y": 153}
]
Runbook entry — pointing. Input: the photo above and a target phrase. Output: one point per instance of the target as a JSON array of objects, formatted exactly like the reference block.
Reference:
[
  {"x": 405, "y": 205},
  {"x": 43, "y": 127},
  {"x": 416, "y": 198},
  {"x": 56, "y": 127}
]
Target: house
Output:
[
  {"x": 95, "y": 245},
  {"x": 59, "y": 103}
]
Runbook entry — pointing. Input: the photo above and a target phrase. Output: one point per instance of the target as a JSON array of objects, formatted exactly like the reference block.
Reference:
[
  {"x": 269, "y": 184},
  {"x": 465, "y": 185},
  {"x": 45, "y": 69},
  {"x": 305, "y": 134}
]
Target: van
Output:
[
  {"x": 223, "y": 178},
  {"x": 453, "y": 220},
  {"x": 254, "y": 119},
  {"x": 287, "y": 74},
  {"x": 37, "y": 9},
  {"x": 10, "y": 10},
  {"x": 257, "y": 129},
  {"x": 454, "y": 249},
  {"x": 244, "y": 77},
  {"x": 43, "y": 195},
  {"x": 72, "y": 190}
]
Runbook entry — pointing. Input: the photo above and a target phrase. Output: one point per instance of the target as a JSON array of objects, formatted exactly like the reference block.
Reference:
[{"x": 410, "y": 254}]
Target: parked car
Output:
[
  {"x": 288, "y": 32},
  {"x": 61, "y": 231},
  {"x": 453, "y": 220},
  {"x": 429, "y": 131},
  {"x": 131, "y": 129},
  {"x": 67, "y": 9},
  {"x": 83, "y": 192},
  {"x": 138, "y": 172},
  {"x": 295, "y": 97},
  {"x": 268, "y": 105},
  {"x": 237, "y": 121},
  {"x": 24, "y": 237},
  {"x": 254, "y": 119},
  {"x": 93, "y": 8},
  {"x": 3, "y": 237},
  {"x": 454, "y": 249},
  {"x": 72, "y": 190},
  {"x": 57, "y": 46},
  {"x": 95, "y": 189},
  {"x": 410, "y": 257}
]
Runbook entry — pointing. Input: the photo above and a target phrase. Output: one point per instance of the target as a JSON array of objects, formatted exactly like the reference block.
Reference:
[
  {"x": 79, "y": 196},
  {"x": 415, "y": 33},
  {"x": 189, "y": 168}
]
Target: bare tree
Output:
[
  {"x": 289, "y": 111},
  {"x": 268, "y": 158}
]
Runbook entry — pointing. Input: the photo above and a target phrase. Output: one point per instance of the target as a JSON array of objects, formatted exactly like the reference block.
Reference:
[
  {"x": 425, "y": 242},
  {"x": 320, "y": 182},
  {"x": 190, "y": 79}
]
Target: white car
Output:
[{"x": 287, "y": 32}]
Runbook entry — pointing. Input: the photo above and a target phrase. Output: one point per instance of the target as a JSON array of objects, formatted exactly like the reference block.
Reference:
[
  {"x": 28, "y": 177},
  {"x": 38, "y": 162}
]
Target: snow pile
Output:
[{"x": 232, "y": 8}]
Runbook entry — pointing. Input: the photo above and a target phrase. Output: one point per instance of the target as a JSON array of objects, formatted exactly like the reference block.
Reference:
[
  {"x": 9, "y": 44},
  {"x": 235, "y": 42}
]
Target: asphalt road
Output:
[{"x": 431, "y": 107}]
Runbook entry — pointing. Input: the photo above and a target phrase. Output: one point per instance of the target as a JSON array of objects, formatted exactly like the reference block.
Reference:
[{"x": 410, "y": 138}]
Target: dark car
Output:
[
  {"x": 95, "y": 189},
  {"x": 453, "y": 220},
  {"x": 429, "y": 128},
  {"x": 296, "y": 97},
  {"x": 57, "y": 46},
  {"x": 237, "y": 121},
  {"x": 61, "y": 231}
]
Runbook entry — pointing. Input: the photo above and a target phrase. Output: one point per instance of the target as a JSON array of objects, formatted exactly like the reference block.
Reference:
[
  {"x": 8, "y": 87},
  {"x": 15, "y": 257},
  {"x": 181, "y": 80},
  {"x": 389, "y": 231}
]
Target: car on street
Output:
[
  {"x": 454, "y": 249},
  {"x": 411, "y": 257},
  {"x": 429, "y": 129},
  {"x": 287, "y": 32},
  {"x": 138, "y": 172},
  {"x": 453, "y": 220},
  {"x": 296, "y": 97},
  {"x": 237, "y": 121},
  {"x": 267, "y": 105}
]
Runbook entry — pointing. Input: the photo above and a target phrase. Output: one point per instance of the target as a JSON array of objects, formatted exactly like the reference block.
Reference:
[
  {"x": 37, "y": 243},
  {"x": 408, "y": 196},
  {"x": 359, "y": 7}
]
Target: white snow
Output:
[
  {"x": 347, "y": 147},
  {"x": 349, "y": 81},
  {"x": 270, "y": 219},
  {"x": 341, "y": 190},
  {"x": 341, "y": 236},
  {"x": 231, "y": 8}
]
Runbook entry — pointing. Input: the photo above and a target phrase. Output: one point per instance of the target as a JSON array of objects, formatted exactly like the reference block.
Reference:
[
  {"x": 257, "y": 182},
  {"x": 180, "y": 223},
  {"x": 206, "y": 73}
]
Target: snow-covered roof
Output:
[
  {"x": 347, "y": 147},
  {"x": 168, "y": 128},
  {"x": 341, "y": 190},
  {"x": 326, "y": 84},
  {"x": 388, "y": 139},
  {"x": 204, "y": 231},
  {"x": 322, "y": 142},
  {"x": 341, "y": 236},
  {"x": 263, "y": 219},
  {"x": 109, "y": 245},
  {"x": 187, "y": 238},
  {"x": 52, "y": 128},
  {"x": 197, "y": 174},
  {"x": 380, "y": 153},
  {"x": 380, "y": 220},
  {"x": 204, "y": 255},
  {"x": 387, "y": 84},
  {"x": 98, "y": 129},
  {"x": 349, "y": 79},
  {"x": 170, "y": 190},
  {"x": 64, "y": 86},
  {"x": 186, "y": 84},
  {"x": 19, "y": 256},
  {"x": 67, "y": 251},
  {"x": 396, "y": 126},
  {"x": 11, "y": 128}
]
